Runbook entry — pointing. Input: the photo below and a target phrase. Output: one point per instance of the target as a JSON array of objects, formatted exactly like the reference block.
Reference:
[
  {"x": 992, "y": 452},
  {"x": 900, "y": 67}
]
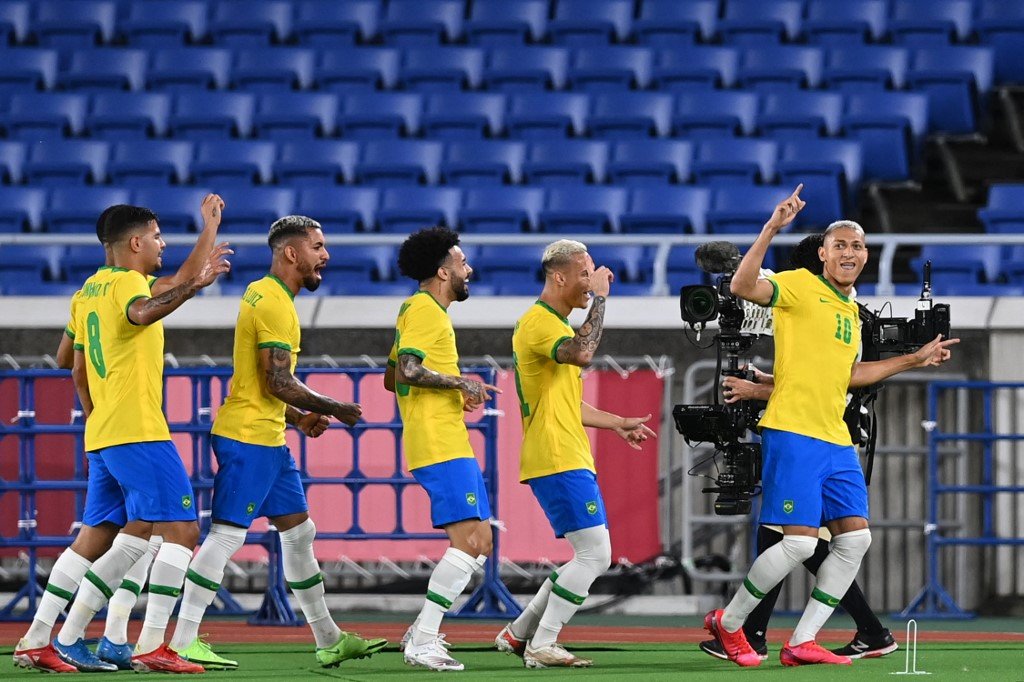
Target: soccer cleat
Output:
[
  {"x": 407, "y": 637},
  {"x": 118, "y": 654},
  {"x": 734, "y": 644},
  {"x": 810, "y": 653},
  {"x": 44, "y": 658},
  {"x": 79, "y": 656},
  {"x": 507, "y": 642},
  {"x": 869, "y": 646},
  {"x": 433, "y": 655},
  {"x": 199, "y": 651},
  {"x": 712, "y": 648},
  {"x": 553, "y": 656},
  {"x": 164, "y": 659},
  {"x": 349, "y": 646}
]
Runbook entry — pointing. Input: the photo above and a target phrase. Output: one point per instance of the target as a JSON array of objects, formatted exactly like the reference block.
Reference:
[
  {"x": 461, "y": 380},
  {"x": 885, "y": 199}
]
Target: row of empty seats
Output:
[{"x": 1004, "y": 210}]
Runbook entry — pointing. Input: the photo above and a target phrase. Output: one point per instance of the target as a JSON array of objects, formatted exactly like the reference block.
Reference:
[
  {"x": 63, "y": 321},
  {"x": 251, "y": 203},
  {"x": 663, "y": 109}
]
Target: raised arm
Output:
[
  {"x": 411, "y": 371},
  {"x": 931, "y": 354},
  {"x": 145, "y": 311},
  {"x": 80, "y": 378},
  {"x": 581, "y": 348},
  {"x": 745, "y": 282},
  {"x": 211, "y": 209},
  {"x": 285, "y": 386}
]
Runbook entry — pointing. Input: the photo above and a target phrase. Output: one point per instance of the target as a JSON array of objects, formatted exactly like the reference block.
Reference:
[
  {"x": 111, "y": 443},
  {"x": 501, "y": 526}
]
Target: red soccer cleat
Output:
[
  {"x": 507, "y": 642},
  {"x": 44, "y": 658},
  {"x": 809, "y": 653},
  {"x": 734, "y": 644},
  {"x": 164, "y": 659}
]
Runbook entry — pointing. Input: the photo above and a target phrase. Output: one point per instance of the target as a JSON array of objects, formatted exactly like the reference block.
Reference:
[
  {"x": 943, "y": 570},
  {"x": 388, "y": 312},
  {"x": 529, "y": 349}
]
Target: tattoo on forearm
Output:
[
  {"x": 283, "y": 384},
  {"x": 588, "y": 336},
  {"x": 415, "y": 374},
  {"x": 291, "y": 415},
  {"x": 166, "y": 303}
]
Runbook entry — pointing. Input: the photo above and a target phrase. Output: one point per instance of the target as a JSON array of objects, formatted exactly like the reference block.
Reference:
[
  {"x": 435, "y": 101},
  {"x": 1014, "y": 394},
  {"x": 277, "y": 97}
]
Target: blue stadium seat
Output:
[
  {"x": 584, "y": 209},
  {"x": 21, "y": 209},
  {"x": 212, "y": 115},
  {"x": 843, "y": 23},
  {"x": 249, "y": 263},
  {"x": 866, "y": 68},
  {"x": 1000, "y": 25},
  {"x": 1013, "y": 265},
  {"x": 800, "y": 114},
  {"x": 487, "y": 162},
  {"x": 380, "y": 114},
  {"x": 400, "y": 162},
  {"x": 771, "y": 68},
  {"x": 936, "y": 22},
  {"x": 250, "y": 23},
  {"x": 80, "y": 262},
  {"x": 12, "y": 160},
  {"x": 891, "y": 127},
  {"x": 631, "y": 114},
  {"x": 667, "y": 210},
  {"x": 957, "y": 289},
  {"x": 701, "y": 114},
  {"x": 82, "y": 23},
  {"x": 414, "y": 22},
  {"x": 192, "y": 68},
  {"x": 174, "y": 257},
  {"x": 831, "y": 172},
  {"x": 960, "y": 264},
  {"x": 67, "y": 162},
  {"x": 341, "y": 209},
  {"x": 646, "y": 162},
  {"x": 26, "y": 69},
  {"x": 686, "y": 68},
  {"x": 743, "y": 209},
  {"x": 220, "y": 163},
  {"x": 682, "y": 267},
  {"x": 14, "y": 22},
  {"x": 754, "y": 22},
  {"x": 74, "y": 209},
  {"x": 468, "y": 115},
  {"x": 729, "y": 162},
  {"x": 273, "y": 69},
  {"x": 623, "y": 261},
  {"x": 296, "y": 115},
  {"x": 104, "y": 70},
  {"x": 566, "y": 161},
  {"x": 511, "y": 69},
  {"x": 550, "y": 115},
  {"x": 450, "y": 68},
  {"x": 407, "y": 209},
  {"x": 512, "y": 284},
  {"x": 1004, "y": 212},
  {"x": 957, "y": 81},
  {"x": 122, "y": 115},
  {"x": 35, "y": 116},
  {"x": 355, "y": 287},
  {"x": 363, "y": 265},
  {"x": 151, "y": 162},
  {"x": 501, "y": 209},
  {"x": 499, "y": 22},
  {"x": 591, "y": 22},
  {"x": 165, "y": 23},
  {"x": 367, "y": 68},
  {"x": 515, "y": 265},
  {"x": 253, "y": 209},
  {"x": 178, "y": 208},
  {"x": 611, "y": 68},
  {"x": 327, "y": 23},
  {"x": 321, "y": 162},
  {"x": 28, "y": 267},
  {"x": 667, "y": 23}
]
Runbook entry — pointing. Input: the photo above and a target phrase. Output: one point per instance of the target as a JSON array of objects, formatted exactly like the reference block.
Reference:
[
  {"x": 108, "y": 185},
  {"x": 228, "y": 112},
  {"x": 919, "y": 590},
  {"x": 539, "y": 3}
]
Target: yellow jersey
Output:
[
  {"x": 817, "y": 340},
  {"x": 124, "y": 361},
  {"x": 72, "y": 321},
  {"x": 266, "y": 319},
  {"x": 434, "y": 426},
  {"x": 550, "y": 397}
]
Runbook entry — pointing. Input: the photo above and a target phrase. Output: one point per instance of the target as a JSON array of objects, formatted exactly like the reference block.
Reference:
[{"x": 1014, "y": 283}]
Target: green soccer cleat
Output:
[
  {"x": 348, "y": 647},
  {"x": 200, "y": 652}
]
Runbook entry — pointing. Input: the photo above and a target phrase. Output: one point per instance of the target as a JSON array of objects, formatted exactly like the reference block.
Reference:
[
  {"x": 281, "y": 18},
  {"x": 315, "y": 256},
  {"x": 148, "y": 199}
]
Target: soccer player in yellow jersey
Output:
[
  {"x": 423, "y": 370},
  {"x": 256, "y": 474},
  {"x": 810, "y": 471},
  {"x": 555, "y": 459}
]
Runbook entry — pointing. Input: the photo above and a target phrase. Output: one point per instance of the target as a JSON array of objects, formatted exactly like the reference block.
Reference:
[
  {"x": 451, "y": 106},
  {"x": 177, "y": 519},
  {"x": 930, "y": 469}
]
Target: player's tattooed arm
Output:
[
  {"x": 411, "y": 371},
  {"x": 291, "y": 415},
  {"x": 283, "y": 385},
  {"x": 580, "y": 349},
  {"x": 145, "y": 311}
]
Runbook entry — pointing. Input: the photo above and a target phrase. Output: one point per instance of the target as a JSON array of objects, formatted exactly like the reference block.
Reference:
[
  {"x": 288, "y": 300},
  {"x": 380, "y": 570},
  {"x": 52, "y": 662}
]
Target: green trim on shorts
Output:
[
  {"x": 100, "y": 585},
  {"x": 307, "y": 583}
]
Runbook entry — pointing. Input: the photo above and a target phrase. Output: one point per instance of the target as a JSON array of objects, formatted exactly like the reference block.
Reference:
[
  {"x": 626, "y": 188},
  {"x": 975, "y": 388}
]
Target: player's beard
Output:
[
  {"x": 460, "y": 289},
  {"x": 310, "y": 279}
]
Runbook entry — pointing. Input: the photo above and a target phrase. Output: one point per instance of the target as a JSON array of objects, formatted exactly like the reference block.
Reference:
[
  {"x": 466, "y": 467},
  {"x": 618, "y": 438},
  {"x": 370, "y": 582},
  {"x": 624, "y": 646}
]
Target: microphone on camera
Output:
[{"x": 718, "y": 257}]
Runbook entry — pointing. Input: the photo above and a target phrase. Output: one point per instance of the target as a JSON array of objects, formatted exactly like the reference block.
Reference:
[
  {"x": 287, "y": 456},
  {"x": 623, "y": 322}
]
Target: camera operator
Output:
[{"x": 810, "y": 470}]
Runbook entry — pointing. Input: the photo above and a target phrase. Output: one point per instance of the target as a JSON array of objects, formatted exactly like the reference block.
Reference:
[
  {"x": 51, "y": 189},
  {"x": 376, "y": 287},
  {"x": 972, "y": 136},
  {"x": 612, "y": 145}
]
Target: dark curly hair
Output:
[
  {"x": 423, "y": 252},
  {"x": 805, "y": 254}
]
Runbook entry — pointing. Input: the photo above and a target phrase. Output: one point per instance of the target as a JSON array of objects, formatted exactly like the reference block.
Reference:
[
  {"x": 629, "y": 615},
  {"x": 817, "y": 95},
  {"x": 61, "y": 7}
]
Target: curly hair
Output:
[
  {"x": 805, "y": 254},
  {"x": 423, "y": 252}
]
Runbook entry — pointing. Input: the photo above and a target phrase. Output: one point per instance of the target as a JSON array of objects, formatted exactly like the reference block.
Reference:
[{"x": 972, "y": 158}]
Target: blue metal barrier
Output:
[{"x": 491, "y": 598}]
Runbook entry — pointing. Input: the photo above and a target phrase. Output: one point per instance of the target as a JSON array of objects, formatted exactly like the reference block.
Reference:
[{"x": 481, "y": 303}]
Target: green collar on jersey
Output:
[
  {"x": 283, "y": 286},
  {"x": 112, "y": 268},
  {"x": 424, "y": 291},
  {"x": 842, "y": 297},
  {"x": 554, "y": 312}
]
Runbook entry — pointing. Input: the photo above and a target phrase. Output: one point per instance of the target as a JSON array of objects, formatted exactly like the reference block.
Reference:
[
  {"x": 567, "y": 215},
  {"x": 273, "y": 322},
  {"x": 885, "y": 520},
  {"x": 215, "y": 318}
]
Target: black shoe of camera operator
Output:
[
  {"x": 712, "y": 648},
  {"x": 869, "y": 646}
]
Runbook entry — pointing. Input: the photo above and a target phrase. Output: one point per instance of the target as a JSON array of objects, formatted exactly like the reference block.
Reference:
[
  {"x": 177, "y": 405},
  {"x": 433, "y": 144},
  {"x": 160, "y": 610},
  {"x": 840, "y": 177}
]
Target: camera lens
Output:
[{"x": 698, "y": 303}]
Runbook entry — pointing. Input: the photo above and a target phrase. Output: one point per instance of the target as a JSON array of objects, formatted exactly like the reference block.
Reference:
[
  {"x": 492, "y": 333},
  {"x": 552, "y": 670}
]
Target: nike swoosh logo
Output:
[{"x": 822, "y": 300}]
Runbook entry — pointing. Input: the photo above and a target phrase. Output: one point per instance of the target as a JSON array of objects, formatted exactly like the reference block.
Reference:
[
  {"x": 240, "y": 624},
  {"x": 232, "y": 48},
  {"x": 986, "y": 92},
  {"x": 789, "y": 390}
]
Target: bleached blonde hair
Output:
[
  {"x": 843, "y": 225},
  {"x": 560, "y": 253}
]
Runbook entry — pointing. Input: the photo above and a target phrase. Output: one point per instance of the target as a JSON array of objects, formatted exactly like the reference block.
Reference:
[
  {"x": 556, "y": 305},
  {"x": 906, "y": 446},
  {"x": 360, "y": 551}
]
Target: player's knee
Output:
[
  {"x": 596, "y": 552},
  {"x": 301, "y": 536},
  {"x": 799, "y": 548},
  {"x": 853, "y": 545},
  {"x": 229, "y": 538},
  {"x": 481, "y": 542}
]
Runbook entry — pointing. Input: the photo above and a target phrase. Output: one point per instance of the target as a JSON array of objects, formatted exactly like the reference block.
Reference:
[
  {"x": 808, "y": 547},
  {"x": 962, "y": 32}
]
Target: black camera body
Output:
[{"x": 901, "y": 335}]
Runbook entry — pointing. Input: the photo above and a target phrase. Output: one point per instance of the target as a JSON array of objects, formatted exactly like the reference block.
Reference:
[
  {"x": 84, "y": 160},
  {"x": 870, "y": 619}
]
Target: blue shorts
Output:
[
  {"x": 152, "y": 481},
  {"x": 456, "y": 490},
  {"x": 255, "y": 480},
  {"x": 808, "y": 482},
  {"x": 571, "y": 500}
]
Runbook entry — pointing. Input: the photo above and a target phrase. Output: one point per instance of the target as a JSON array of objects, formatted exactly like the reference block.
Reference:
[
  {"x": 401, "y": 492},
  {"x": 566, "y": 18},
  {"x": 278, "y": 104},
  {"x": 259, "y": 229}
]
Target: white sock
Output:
[
  {"x": 202, "y": 580},
  {"x": 835, "y": 575},
  {"x": 119, "y": 610},
  {"x": 525, "y": 625},
  {"x": 302, "y": 573},
  {"x": 767, "y": 571},
  {"x": 65, "y": 577},
  {"x": 98, "y": 585},
  {"x": 450, "y": 577},
  {"x": 592, "y": 555},
  {"x": 165, "y": 582}
]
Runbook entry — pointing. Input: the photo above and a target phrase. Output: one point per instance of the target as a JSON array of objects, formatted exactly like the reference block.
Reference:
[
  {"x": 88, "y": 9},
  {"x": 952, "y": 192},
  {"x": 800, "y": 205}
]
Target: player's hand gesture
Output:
[
  {"x": 934, "y": 353},
  {"x": 786, "y": 211},
  {"x": 348, "y": 413},
  {"x": 634, "y": 431},
  {"x": 313, "y": 424},
  {"x": 216, "y": 265},
  {"x": 476, "y": 393},
  {"x": 211, "y": 210}
]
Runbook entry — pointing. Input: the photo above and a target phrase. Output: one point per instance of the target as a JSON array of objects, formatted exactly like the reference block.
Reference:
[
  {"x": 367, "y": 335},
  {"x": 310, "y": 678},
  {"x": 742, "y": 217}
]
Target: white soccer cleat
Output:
[
  {"x": 433, "y": 655},
  {"x": 406, "y": 638},
  {"x": 553, "y": 656}
]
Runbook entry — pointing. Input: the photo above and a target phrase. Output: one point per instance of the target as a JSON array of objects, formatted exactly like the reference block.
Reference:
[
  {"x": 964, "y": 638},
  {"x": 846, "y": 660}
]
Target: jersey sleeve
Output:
[
  {"x": 418, "y": 330},
  {"x": 70, "y": 330},
  {"x": 79, "y": 333},
  {"x": 788, "y": 288},
  {"x": 543, "y": 335},
  {"x": 272, "y": 326},
  {"x": 128, "y": 289}
]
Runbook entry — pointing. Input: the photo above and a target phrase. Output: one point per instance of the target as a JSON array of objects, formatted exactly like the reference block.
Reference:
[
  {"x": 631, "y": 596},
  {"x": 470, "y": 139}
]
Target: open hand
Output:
[
  {"x": 216, "y": 265},
  {"x": 634, "y": 431}
]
